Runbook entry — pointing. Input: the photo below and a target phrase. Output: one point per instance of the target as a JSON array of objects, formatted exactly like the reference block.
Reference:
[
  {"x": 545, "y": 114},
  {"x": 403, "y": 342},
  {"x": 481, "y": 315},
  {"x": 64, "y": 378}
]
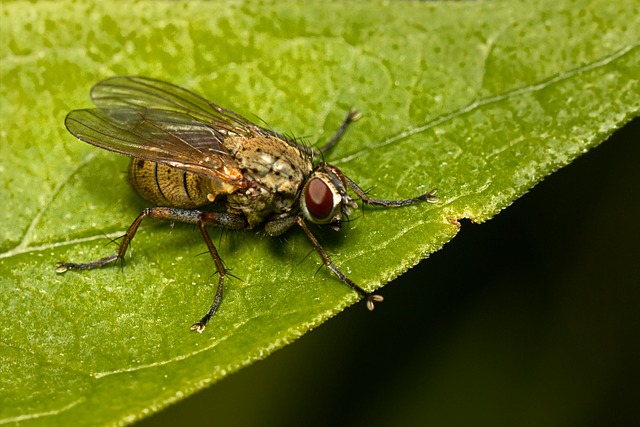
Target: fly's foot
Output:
[
  {"x": 62, "y": 267},
  {"x": 371, "y": 298},
  {"x": 353, "y": 115},
  {"x": 198, "y": 327},
  {"x": 431, "y": 196}
]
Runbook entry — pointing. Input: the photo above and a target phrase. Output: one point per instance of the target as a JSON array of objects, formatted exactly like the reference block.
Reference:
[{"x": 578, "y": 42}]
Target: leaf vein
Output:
[{"x": 491, "y": 100}]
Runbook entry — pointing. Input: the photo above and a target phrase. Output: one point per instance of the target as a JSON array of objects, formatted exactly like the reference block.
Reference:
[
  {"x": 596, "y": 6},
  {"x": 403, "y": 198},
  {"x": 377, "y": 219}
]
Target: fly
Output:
[{"x": 188, "y": 153}]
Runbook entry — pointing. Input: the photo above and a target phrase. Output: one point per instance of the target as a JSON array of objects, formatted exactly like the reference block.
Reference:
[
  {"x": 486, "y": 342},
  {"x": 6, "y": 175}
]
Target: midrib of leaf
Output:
[{"x": 477, "y": 104}]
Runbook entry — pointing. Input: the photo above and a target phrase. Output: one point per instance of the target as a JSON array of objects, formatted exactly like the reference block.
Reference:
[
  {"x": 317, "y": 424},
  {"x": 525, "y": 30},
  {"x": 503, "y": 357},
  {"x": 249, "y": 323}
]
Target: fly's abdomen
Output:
[{"x": 167, "y": 186}]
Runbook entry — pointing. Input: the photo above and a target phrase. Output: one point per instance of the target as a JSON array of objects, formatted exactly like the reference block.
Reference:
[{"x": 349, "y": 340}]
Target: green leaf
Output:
[{"x": 481, "y": 100}]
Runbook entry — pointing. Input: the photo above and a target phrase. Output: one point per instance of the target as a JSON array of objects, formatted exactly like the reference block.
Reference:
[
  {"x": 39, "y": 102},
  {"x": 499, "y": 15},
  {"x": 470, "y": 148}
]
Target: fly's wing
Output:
[
  {"x": 159, "y": 136},
  {"x": 161, "y": 122},
  {"x": 131, "y": 92}
]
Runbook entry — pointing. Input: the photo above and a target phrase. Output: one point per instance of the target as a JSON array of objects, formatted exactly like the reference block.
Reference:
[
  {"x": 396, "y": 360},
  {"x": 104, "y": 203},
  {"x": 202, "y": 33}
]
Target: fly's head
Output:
[{"x": 324, "y": 198}]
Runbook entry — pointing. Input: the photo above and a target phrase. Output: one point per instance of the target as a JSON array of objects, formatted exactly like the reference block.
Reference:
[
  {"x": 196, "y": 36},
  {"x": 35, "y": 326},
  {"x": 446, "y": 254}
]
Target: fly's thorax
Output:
[
  {"x": 277, "y": 170},
  {"x": 272, "y": 162},
  {"x": 168, "y": 186},
  {"x": 324, "y": 198}
]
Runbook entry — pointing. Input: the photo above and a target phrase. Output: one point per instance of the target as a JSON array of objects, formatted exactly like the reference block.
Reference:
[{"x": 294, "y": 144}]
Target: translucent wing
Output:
[
  {"x": 158, "y": 136},
  {"x": 131, "y": 92},
  {"x": 161, "y": 122}
]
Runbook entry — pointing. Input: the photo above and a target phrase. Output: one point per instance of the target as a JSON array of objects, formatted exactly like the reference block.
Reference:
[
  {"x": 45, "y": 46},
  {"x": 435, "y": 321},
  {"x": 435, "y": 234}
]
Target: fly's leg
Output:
[
  {"x": 370, "y": 298},
  {"x": 278, "y": 226},
  {"x": 119, "y": 255},
  {"x": 228, "y": 221},
  {"x": 222, "y": 271},
  {"x": 429, "y": 197},
  {"x": 221, "y": 219},
  {"x": 351, "y": 117}
]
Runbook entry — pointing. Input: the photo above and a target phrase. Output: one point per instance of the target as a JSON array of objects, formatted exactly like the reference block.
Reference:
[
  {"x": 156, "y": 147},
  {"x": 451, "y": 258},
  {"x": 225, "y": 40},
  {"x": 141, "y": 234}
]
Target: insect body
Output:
[{"x": 189, "y": 153}]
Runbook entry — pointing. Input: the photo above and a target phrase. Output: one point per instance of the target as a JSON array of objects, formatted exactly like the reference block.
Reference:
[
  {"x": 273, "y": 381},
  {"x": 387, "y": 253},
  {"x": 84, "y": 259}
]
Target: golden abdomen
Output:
[{"x": 167, "y": 186}]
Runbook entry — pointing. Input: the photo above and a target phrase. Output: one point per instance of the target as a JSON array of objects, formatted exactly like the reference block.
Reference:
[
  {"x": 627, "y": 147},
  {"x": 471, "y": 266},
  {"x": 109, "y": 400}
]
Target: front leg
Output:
[
  {"x": 190, "y": 216},
  {"x": 278, "y": 226},
  {"x": 429, "y": 197},
  {"x": 371, "y": 298}
]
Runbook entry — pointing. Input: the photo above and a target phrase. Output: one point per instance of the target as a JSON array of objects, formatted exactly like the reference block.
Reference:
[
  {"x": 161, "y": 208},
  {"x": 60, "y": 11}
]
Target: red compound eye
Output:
[{"x": 319, "y": 198}]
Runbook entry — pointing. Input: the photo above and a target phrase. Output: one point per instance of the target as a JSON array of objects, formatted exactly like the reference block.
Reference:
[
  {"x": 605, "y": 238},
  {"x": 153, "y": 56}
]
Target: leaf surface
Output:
[{"x": 481, "y": 100}]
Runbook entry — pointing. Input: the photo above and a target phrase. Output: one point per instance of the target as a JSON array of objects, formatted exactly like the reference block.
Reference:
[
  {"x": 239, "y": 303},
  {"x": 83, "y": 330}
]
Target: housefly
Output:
[{"x": 189, "y": 153}]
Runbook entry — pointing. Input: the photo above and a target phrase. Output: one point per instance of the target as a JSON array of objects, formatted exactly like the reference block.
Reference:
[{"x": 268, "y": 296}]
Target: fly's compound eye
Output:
[
  {"x": 321, "y": 200},
  {"x": 318, "y": 199},
  {"x": 324, "y": 198}
]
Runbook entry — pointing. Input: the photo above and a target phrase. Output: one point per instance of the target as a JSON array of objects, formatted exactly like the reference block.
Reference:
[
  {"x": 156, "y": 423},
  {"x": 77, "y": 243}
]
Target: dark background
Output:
[{"x": 532, "y": 318}]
